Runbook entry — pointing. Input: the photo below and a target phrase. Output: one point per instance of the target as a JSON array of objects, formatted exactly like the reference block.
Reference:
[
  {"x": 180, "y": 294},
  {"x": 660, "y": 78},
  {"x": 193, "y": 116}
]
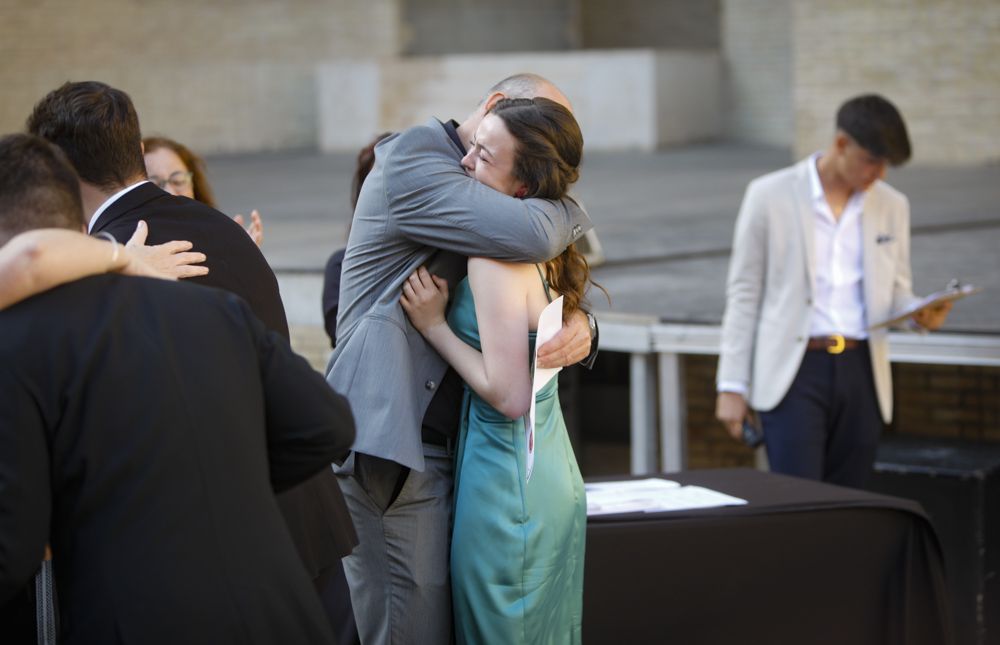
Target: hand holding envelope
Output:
[{"x": 549, "y": 324}]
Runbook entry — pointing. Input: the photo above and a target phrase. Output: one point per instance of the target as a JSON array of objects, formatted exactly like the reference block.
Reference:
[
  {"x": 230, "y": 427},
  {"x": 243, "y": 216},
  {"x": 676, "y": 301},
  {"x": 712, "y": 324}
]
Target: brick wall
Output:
[
  {"x": 930, "y": 400},
  {"x": 937, "y": 60},
  {"x": 223, "y": 76},
  {"x": 947, "y": 401}
]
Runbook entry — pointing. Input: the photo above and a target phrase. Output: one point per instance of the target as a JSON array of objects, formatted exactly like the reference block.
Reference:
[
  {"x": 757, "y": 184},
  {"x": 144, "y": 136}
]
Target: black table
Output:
[{"x": 801, "y": 563}]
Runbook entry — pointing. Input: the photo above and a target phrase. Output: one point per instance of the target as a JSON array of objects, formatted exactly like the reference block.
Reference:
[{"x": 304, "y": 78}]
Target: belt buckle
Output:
[{"x": 837, "y": 346}]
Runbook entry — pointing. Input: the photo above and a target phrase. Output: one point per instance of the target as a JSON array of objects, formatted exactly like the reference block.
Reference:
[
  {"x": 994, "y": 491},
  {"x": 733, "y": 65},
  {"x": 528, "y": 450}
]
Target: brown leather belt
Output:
[{"x": 834, "y": 344}]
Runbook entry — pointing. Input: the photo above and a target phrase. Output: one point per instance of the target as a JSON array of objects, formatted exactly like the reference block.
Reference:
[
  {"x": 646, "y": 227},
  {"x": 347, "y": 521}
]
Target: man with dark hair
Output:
[
  {"x": 97, "y": 127},
  {"x": 38, "y": 189},
  {"x": 144, "y": 426},
  {"x": 821, "y": 253}
]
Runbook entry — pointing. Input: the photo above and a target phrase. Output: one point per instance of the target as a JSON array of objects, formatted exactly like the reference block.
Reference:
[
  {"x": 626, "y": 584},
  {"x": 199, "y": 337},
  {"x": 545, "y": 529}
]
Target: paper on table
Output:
[
  {"x": 953, "y": 291},
  {"x": 652, "y": 496},
  {"x": 549, "y": 323}
]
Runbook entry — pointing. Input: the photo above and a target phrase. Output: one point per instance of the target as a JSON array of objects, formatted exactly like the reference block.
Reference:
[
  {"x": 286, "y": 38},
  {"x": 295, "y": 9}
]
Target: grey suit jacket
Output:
[
  {"x": 772, "y": 275},
  {"x": 418, "y": 207}
]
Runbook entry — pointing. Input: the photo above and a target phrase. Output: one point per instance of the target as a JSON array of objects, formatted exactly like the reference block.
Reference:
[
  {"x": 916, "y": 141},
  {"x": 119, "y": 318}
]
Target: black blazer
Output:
[
  {"x": 316, "y": 512},
  {"x": 144, "y": 426},
  {"x": 234, "y": 261}
]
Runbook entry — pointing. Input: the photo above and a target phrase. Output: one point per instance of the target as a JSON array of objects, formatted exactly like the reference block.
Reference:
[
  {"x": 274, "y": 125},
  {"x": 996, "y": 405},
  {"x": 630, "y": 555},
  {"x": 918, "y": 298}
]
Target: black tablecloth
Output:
[{"x": 801, "y": 563}]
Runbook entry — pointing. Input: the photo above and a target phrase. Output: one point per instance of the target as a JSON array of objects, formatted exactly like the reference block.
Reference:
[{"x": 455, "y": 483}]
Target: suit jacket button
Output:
[
  {"x": 430, "y": 385},
  {"x": 809, "y": 302},
  {"x": 800, "y": 339}
]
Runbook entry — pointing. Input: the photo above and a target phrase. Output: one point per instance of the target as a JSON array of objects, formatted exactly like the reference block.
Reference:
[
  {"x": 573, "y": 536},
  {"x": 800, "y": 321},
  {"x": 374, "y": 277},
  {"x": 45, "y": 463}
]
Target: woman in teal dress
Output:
[{"x": 518, "y": 543}]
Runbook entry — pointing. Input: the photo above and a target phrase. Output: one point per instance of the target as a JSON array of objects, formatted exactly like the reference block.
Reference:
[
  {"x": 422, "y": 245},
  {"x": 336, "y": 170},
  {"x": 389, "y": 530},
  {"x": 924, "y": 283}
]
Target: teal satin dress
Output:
[{"x": 517, "y": 547}]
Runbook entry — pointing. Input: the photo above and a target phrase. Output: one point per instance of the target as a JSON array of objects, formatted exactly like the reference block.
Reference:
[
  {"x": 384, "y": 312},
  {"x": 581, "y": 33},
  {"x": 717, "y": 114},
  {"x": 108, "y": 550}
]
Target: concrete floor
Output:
[{"x": 665, "y": 221}]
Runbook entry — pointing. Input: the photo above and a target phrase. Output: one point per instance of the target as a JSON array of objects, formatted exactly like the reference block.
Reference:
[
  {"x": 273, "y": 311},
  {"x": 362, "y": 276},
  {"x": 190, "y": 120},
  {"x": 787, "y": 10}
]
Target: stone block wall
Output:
[
  {"x": 221, "y": 76},
  {"x": 631, "y": 98},
  {"x": 757, "y": 71},
  {"x": 936, "y": 59}
]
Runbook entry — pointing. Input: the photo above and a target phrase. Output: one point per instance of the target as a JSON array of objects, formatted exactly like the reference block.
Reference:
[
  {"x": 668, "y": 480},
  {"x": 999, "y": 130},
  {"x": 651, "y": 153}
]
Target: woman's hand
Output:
[
  {"x": 256, "y": 228},
  {"x": 424, "y": 299},
  {"x": 168, "y": 261}
]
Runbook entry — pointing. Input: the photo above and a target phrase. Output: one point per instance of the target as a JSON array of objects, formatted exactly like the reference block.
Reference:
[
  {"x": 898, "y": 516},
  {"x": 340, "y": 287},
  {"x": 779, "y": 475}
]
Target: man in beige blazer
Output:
[{"x": 821, "y": 252}]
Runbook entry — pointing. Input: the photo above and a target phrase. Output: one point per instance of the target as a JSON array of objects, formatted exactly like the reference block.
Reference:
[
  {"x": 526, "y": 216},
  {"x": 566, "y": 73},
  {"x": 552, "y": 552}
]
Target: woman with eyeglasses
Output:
[{"x": 174, "y": 168}]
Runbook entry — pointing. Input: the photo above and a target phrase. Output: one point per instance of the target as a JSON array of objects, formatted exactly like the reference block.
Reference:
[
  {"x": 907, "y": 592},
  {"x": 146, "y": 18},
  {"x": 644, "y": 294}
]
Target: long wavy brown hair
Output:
[
  {"x": 195, "y": 165},
  {"x": 547, "y": 161}
]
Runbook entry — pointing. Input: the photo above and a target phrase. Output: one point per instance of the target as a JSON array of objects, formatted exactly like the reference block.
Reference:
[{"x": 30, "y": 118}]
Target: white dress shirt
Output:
[
  {"x": 109, "y": 201},
  {"x": 838, "y": 293}
]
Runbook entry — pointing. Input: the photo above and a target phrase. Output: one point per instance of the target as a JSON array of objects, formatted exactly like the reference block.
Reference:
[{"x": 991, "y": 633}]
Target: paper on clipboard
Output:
[
  {"x": 953, "y": 291},
  {"x": 549, "y": 323}
]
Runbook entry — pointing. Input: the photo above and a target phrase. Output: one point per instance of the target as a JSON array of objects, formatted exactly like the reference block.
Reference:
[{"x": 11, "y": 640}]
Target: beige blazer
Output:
[{"x": 772, "y": 277}]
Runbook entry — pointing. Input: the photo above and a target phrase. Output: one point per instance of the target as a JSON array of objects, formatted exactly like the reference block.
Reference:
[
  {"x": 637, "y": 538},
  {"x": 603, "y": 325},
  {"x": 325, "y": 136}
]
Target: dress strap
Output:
[{"x": 545, "y": 283}]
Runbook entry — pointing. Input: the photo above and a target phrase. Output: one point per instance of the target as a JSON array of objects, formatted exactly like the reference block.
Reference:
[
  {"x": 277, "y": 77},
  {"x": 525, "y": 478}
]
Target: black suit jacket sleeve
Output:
[
  {"x": 25, "y": 492},
  {"x": 308, "y": 424}
]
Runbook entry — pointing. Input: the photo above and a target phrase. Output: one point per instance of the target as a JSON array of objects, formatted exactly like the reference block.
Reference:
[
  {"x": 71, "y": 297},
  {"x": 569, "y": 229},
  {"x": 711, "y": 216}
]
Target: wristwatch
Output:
[
  {"x": 594, "y": 341},
  {"x": 592, "y": 323}
]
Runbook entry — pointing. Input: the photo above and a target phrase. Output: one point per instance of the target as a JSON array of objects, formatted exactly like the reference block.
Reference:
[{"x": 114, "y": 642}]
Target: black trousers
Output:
[{"x": 827, "y": 426}]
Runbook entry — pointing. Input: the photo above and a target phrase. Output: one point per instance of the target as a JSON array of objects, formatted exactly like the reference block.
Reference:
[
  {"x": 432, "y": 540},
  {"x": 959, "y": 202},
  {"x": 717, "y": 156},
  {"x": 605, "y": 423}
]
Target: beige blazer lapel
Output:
[
  {"x": 871, "y": 215},
  {"x": 807, "y": 223}
]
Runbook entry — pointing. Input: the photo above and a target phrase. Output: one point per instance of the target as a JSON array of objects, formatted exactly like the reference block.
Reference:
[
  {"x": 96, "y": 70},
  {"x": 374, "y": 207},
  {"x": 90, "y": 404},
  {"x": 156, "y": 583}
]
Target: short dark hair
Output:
[
  {"x": 877, "y": 126},
  {"x": 98, "y": 129},
  {"x": 38, "y": 188}
]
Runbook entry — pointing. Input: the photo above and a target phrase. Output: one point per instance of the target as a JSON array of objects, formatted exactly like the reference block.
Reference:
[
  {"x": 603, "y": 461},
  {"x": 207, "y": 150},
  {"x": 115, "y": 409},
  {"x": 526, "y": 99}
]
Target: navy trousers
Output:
[{"x": 827, "y": 426}]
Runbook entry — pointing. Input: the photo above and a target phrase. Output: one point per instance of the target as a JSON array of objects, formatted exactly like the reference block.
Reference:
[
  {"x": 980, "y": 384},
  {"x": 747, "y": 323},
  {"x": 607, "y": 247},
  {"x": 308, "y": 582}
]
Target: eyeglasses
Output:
[{"x": 178, "y": 180}]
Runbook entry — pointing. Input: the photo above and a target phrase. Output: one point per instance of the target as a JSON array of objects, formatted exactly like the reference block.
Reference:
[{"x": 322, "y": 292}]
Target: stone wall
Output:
[
  {"x": 936, "y": 59},
  {"x": 757, "y": 71},
  {"x": 222, "y": 76},
  {"x": 629, "y": 98},
  {"x": 664, "y": 24}
]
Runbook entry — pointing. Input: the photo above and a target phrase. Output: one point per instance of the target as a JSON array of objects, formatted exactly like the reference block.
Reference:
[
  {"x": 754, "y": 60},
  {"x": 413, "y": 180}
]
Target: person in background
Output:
[
  {"x": 98, "y": 128},
  {"x": 331, "y": 273},
  {"x": 174, "y": 168},
  {"x": 144, "y": 427},
  {"x": 820, "y": 254},
  {"x": 518, "y": 539}
]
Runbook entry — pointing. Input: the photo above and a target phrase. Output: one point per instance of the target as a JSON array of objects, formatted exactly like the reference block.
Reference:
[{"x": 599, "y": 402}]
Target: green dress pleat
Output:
[{"x": 517, "y": 547}]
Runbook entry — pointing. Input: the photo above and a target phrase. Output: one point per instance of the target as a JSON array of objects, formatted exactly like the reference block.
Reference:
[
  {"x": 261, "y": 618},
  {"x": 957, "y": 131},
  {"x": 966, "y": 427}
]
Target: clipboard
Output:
[{"x": 954, "y": 291}]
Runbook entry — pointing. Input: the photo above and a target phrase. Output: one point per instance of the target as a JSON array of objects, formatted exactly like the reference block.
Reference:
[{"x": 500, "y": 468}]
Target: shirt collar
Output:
[
  {"x": 818, "y": 195},
  {"x": 109, "y": 201},
  {"x": 814, "y": 183},
  {"x": 451, "y": 127}
]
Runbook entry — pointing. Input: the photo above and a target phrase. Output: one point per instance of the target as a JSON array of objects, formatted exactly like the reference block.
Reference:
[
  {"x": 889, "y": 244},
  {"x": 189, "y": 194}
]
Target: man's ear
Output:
[
  {"x": 840, "y": 141},
  {"x": 491, "y": 100}
]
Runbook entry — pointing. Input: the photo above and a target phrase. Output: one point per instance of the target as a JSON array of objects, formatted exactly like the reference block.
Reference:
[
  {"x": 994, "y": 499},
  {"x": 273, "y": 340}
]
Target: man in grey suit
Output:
[
  {"x": 821, "y": 253},
  {"x": 419, "y": 207}
]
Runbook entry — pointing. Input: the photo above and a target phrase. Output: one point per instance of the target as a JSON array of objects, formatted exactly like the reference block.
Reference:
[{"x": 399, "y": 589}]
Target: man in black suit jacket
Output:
[
  {"x": 98, "y": 129},
  {"x": 143, "y": 426}
]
